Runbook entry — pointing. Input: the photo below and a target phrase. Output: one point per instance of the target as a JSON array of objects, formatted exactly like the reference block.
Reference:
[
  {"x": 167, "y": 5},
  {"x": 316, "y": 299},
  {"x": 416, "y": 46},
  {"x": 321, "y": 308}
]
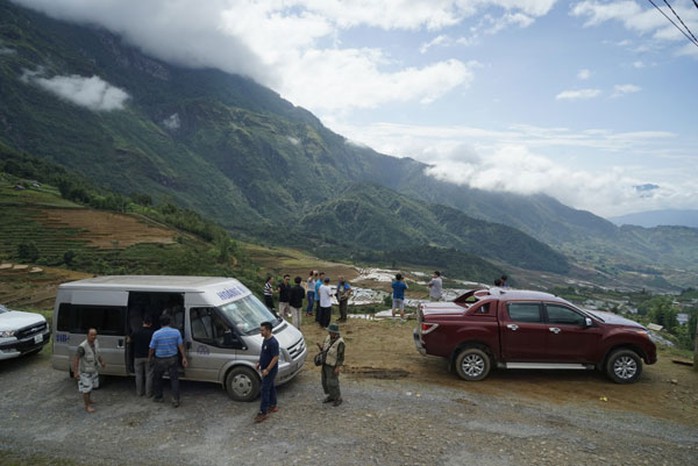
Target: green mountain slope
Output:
[{"x": 237, "y": 153}]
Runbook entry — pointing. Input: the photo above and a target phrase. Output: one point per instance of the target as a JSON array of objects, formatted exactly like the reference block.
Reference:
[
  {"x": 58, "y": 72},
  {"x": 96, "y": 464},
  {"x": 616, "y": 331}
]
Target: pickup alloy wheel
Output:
[
  {"x": 624, "y": 366},
  {"x": 473, "y": 364}
]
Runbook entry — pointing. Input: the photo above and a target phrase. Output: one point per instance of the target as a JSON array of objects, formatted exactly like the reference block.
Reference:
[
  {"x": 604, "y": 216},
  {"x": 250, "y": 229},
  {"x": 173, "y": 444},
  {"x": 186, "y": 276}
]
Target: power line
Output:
[
  {"x": 690, "y": 37},
  {"x": 681, "y": 21}
]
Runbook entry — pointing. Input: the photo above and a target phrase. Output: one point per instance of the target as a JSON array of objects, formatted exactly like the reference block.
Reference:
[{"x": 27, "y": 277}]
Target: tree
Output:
[{"x": 28, "y": 251}]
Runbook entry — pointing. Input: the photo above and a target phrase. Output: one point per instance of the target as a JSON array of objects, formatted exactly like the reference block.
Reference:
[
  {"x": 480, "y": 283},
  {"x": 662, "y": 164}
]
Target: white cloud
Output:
[
  {"x": 583, "y": 74},
  {"x": 578, "y": 94},
  {"x": 93, "y": 92},
  {"x": 295, "y": 46},
  {"x": 172, "y": 122},
  {"x": 620, "y": 90},
  {"x": 635, "y": 18},
  {"x": 523, "y": 159}
]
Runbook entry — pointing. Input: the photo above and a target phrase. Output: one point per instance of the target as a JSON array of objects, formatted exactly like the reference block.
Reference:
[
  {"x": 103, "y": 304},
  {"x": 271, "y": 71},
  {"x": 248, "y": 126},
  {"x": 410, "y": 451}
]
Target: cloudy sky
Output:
[{"x": 592, "y": 102}]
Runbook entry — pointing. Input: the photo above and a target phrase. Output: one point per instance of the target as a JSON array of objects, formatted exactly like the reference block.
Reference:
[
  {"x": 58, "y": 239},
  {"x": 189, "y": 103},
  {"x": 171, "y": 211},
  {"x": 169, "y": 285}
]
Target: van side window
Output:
[
  {"x": 209, "y": 327},
  {"x": 108, "y": 320},
  {"x": 525, "y": 312}
]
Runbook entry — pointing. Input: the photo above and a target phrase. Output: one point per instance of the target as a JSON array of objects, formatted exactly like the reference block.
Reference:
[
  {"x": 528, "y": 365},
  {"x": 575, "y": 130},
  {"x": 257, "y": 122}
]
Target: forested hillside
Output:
[{"x": 236, "y": 153}]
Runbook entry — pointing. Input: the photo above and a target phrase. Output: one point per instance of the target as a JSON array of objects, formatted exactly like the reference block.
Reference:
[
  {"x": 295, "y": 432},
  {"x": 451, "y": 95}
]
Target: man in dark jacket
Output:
[
  {"x": 297, "y": 294},
  {"x": 141, "y": 364}
]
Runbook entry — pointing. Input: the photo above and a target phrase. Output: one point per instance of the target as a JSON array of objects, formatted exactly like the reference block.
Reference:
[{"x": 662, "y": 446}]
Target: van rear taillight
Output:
[{"x": 428, "y": 327}]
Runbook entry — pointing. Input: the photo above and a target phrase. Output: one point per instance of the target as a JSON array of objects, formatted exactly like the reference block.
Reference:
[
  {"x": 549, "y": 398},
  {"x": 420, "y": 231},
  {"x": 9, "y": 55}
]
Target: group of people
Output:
[
  {"x": 399, "y": 286},
  {"x": 316, "y": 290},
  {"x": 155, "y": 352}
]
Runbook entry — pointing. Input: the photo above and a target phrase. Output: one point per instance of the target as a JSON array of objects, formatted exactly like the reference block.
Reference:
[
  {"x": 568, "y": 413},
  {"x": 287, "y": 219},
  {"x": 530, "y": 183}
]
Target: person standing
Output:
[
  {"x": 435, "y": 286},
  {"x": 343, "y": 293},
  {"x": 296, "y": 302},
  {"x": 325, "y": 314},
  {"x": 310, "y": 289},
  {"x": 164, "y": 346},
  {"x": 269, "y": 294},
  {"x": 333, "y": 347},
  {"x": 284, "y": 296},
  {"x": 399, "y": 286},
  {"x": 86, "y": 365},
  {"x": 268, "y": 368},
  {"x": 318, "y": 283},
  {"x": 142, "y": 365}
]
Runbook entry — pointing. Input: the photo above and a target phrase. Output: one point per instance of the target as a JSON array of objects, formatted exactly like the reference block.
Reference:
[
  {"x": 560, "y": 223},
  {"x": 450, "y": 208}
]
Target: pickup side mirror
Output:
[{"x": 588, "y": 322}]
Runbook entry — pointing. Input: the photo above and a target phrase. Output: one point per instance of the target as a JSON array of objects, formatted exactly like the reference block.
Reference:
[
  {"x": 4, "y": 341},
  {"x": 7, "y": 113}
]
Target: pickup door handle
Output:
[
  {"x": 555, "y": 330},
  {"x": 512, "y": 326}
]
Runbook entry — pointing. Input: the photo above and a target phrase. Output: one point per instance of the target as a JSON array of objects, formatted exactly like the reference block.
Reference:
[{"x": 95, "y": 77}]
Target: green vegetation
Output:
[{"x": 202, "y": 144}]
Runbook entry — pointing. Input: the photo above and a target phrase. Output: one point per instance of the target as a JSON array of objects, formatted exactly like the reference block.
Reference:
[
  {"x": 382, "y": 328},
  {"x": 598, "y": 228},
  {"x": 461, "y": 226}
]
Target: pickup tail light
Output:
[{"x": 428, "y": 327}]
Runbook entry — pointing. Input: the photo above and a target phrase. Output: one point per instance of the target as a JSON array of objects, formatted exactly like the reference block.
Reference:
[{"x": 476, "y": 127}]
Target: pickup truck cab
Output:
[{"x": 518, "y": 329}]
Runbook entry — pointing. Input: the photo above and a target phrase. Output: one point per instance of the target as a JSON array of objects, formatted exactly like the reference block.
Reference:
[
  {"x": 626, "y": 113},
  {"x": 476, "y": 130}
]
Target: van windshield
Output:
[{"x": 247, "y": 313}]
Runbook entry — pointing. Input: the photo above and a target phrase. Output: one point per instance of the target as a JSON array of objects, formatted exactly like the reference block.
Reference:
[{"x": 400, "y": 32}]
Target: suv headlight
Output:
[{"x": 7, "y": 333}]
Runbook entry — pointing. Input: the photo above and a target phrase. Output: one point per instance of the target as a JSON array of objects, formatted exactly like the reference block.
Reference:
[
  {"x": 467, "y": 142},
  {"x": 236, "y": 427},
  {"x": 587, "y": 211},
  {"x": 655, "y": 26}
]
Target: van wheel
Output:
[
  {"x": 242, "y": 384},
  {"x": 473, "y": 364},
  {"x": 624, "y": 366}
]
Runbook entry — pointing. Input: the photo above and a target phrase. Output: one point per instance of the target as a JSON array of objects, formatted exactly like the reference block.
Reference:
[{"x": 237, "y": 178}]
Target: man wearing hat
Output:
[{"x": 333, "y": 347}]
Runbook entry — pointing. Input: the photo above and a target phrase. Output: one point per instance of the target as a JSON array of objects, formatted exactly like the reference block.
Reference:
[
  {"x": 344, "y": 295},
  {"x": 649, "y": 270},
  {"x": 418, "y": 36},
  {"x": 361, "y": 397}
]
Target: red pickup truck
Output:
[{"x": 517, "y": 329}]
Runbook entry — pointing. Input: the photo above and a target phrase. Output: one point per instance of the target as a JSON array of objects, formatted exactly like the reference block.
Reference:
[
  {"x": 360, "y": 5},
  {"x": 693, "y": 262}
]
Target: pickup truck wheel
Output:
[
  {"x": 624, "y": 366},
  {"x": 242, "y": 384},
  {"x": 473, "y": 364}
]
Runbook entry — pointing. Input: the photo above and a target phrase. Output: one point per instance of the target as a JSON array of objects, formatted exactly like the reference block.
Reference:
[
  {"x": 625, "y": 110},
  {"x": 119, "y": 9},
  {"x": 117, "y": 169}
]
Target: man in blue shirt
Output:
[
  {"x": 163, "y": 347},
  {"x": 399, "y": 287},
  {"x": 268, "y": 367}
]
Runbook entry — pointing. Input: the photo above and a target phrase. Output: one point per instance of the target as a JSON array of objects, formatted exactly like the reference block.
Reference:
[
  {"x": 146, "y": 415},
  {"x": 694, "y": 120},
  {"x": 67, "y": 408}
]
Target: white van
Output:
[{"x": 218, "y": 317}]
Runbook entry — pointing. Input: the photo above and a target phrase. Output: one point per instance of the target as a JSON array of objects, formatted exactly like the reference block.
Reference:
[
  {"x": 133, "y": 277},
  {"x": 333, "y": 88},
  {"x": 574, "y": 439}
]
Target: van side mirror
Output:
[{"x": 232, "y": 341}]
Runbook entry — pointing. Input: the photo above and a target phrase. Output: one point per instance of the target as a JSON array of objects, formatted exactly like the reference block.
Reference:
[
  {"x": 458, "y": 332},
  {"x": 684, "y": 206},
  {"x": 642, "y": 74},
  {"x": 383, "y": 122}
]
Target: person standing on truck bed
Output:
[
  {"x": 163, "y": 347},
  {"x": 141, "y": 364},
  {"x": 86, "y": 367},
  {"x": 268, "y": 367}
]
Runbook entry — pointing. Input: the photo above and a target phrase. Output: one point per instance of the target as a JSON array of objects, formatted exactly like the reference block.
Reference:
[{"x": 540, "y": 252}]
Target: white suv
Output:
[{"x": 21, "y": 333}]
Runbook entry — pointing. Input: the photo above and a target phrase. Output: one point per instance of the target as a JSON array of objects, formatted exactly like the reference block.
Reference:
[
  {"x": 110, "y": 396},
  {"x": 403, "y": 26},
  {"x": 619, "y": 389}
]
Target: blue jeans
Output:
[
  {"x": 311, "y": 301},
  {"x": 268, "y": 391},
  {"x": 169, "y": 365}
]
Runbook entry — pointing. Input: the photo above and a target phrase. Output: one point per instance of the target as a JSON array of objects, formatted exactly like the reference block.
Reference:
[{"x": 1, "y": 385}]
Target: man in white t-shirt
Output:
[
  {"x": 435, "y": 286},
  {"x": 325, "y": 313}
]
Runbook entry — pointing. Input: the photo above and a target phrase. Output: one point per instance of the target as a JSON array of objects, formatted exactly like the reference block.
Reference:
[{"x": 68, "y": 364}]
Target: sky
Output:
[{"x": 591, "y": 102}]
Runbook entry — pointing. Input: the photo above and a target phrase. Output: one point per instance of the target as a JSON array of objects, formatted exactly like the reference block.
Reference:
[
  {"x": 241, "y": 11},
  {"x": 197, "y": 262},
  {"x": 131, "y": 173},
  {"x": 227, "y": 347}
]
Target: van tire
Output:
[{"x": 242, "y": 384}]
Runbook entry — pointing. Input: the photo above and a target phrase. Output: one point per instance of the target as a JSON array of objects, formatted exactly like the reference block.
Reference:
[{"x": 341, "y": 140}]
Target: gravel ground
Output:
[{"x": 384, "y": 422}]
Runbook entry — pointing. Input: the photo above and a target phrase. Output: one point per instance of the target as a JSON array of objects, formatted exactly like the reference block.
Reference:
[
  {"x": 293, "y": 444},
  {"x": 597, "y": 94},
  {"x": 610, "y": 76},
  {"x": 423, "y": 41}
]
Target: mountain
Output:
[
  {"x": 654, "y": 218},
  {"x": 234, "y": 151}
]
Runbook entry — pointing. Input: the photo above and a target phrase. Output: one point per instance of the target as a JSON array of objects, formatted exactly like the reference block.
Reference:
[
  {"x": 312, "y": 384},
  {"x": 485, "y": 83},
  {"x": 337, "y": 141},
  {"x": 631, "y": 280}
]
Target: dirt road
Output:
[{"x": 400, "y": 408}]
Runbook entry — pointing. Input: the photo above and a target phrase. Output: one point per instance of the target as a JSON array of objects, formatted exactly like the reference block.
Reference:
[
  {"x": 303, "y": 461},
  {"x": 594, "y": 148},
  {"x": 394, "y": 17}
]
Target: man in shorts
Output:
[
  {"x": 399, "y": 286},
  {"x": 86, "y": 367}
]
